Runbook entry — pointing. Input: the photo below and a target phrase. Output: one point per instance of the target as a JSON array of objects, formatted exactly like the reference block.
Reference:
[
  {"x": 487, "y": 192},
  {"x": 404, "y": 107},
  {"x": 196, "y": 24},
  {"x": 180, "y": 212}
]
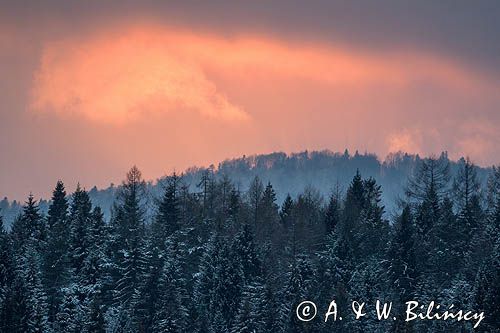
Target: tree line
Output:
[{"x": 218, "y": 259}]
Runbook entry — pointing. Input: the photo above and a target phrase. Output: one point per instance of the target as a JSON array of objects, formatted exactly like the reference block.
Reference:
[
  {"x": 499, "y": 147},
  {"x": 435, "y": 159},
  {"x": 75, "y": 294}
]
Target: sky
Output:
[{"x": 90, "y": 88}]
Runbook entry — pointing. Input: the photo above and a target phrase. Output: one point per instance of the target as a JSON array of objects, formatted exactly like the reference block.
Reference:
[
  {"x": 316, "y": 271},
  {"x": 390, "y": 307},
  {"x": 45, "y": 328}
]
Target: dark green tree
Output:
[
  {"x": 402, "y": 272},
  {"x": 56, "y": 261},
  {"x": 81, "y": 224},
  {"x": 29, "y": 225},
  {"x": 129, "y": 224},
  {"x": 332, "y": 213}
]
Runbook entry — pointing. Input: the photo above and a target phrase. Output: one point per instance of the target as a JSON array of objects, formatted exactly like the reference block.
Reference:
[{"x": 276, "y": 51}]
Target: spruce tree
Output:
[
  {"x": 332, "y": 214},
  {"x": 354, "y": 203},
  {"x": 205, "y": 283},
  {"x": 55, "y": 263},
  {"x": 268, "y": 214},
  {"x": 286, "y": 212},
  {"x": 486, "y": 295},
  {"x": 29, "y": 225},
  {"x": 167, "y": 220},
  {"x": 254, "y": 195},
  {"x": 374, "y": 229},
  {"x": 298, "y": 284},
  {"x": 401, "y": 254},
  {"x": 129, "y": 221},
  {"x": 171, "y": 312},
  {"x": 35, "y": 315},
  {"x": 81, "y": 222},
  {"x": 7, "y": 266},
  {"x": 257, "y": 311},
  {"x": 244, "y": 251}
]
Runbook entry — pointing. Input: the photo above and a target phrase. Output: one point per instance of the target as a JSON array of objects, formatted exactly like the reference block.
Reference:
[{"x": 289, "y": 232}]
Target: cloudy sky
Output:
[{"x": 89, "y": 88}]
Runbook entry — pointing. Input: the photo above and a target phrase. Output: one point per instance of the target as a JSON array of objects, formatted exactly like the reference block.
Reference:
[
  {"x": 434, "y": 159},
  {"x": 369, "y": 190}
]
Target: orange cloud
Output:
[
  {"x": 115, "y": 76},
  {"x": 113, "y": 80},
  {"x": 183, "y": 98}
]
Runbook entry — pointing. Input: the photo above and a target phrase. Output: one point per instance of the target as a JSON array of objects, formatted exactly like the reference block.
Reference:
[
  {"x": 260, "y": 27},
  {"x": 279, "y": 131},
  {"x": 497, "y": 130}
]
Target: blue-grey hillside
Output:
[{"x": 324, "y": 172}]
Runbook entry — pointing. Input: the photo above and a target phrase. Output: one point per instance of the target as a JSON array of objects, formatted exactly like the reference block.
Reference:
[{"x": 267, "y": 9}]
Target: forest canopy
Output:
[{"x": 200, "y": 253}]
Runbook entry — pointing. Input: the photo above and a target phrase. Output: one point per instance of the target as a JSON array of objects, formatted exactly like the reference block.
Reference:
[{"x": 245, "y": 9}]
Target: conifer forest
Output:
[{"x": 214, "y": 257}]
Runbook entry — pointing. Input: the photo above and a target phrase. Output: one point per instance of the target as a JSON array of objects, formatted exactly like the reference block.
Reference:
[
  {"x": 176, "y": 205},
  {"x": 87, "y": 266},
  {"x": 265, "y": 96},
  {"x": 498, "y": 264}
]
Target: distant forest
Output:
[
  {"x": 290, "y": 174},
  {"x": 235, "y": 249}
]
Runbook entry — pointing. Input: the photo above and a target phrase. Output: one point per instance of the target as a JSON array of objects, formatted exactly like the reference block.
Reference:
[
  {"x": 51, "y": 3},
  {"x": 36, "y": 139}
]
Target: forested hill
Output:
[
  {"x": 212, "y": 258},
  {"x": 323, "y": 172}
]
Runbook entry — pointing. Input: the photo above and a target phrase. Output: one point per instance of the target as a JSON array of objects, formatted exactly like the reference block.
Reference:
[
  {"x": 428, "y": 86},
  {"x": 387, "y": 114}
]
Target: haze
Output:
[{"x": 88, "y": 91}]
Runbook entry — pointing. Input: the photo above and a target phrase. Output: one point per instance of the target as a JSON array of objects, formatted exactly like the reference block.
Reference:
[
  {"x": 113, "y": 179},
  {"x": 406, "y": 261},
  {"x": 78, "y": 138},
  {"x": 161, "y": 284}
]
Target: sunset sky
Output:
[{"x": 90, "y": 88}]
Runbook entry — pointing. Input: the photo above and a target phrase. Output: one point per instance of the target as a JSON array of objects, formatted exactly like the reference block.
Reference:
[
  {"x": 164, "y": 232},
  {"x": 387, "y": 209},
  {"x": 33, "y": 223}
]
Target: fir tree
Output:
[
  {"x": 268, "y": 214},
  {"x": 332, "y": 214},
  {"x": 286, "y": 211},
  {"x": 7, "y": 265},
  {"x": 254, "y": 198},
  {"x": 257, "y": 311},
  {"x": 34, "y": 316},
  {"x": 29, "y": 225},
  {"x": 172, "y": 313},
  {"x": 81, "y": 223},
  {"x": 486, "y": 295},
  {"x": 167, "y": 220},
  {"x": 55, "y": 264},
  {"x": 402, "y": 261},
  {"x": 129, "y": 222},
  {"x": 354, "y": 203},
  {"x": 244, "y": 250},
  {"x": 299, "y": 281}
]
